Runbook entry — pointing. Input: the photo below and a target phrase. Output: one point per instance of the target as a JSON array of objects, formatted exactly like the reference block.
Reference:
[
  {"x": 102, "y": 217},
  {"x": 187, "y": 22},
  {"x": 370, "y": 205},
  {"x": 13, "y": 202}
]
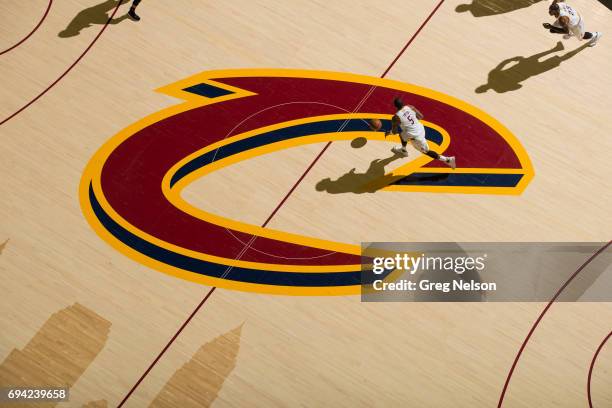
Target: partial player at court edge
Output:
[
  {"x": 408, "y": 121},
  {"x": 569, "y": 23}
]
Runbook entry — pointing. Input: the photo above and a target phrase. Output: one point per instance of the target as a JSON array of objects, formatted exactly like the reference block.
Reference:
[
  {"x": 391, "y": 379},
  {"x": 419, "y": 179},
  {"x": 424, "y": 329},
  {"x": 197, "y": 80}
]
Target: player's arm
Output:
[
  {"x": 394, "y": 125},
  {"x": 563, "y": 22},
  {"x": 419, "y": 115}
]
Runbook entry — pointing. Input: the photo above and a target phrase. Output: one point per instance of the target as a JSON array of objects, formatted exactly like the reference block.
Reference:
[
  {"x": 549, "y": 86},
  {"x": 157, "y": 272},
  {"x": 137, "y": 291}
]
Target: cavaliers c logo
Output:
[{"x": 131, "y": 189}]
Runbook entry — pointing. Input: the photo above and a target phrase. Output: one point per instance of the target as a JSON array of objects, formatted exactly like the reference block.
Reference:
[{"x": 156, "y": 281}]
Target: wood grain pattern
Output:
[
  {"x": 198, "y": 382},
  {"x": 305, "y": 351},
  {"x": 59, "y": 353}
]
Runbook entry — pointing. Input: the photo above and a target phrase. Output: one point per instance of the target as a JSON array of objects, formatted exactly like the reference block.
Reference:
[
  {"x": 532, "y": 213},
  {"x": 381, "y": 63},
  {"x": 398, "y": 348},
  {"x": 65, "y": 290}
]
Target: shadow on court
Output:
[
  {"x": 483, "y": 8},
  {"x": 504, "y": 79},
  {"x": 96, "y": 15},
  {"x": 369, "y": 182}
]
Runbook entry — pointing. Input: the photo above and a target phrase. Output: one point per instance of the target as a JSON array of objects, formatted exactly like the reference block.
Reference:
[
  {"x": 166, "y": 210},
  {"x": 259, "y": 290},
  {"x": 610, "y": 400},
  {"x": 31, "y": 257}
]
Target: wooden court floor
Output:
[{"x": 77, "y": 312}]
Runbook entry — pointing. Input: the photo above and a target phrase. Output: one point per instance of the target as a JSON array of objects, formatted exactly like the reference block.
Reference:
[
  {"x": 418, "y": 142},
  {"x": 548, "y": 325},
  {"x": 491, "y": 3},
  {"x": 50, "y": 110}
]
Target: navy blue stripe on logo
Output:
[
  {"x": 207, "y": 90},
  {"x": 461, "y": 179},
  {"x": 201, "y": 267},
  {"x": 278, "y": 135}
]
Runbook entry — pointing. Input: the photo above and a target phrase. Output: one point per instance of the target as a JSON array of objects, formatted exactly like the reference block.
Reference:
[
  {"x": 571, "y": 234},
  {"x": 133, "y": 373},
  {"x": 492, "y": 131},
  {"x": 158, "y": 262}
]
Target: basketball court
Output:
[{"x": 185, "y": 198}]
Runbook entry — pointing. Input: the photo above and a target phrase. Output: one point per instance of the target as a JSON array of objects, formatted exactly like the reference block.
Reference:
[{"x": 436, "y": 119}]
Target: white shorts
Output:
[
  {"x": 417, "y": 141},
  {"x": 577, "y": 30}
]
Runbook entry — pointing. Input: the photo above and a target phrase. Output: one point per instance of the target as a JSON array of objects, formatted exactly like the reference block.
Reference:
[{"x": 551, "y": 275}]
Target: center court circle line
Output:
[
  {"x": 240, "y": 124},
  {"x": 316, "y": 159}
]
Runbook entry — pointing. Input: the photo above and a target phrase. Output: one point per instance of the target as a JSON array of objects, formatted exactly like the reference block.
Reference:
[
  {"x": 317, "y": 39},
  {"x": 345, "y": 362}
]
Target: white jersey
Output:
[
  {"x": 568, "y": 11},
  {"x": 409, "y": 123}
]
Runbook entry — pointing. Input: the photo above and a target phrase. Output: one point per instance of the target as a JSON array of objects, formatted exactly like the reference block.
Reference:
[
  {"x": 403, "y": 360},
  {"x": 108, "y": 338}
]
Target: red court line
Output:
[
  {"x": 412, "y": 39},
  {"x": 397, "y": 57},
  {"x": 601, "y": 346},
  {"x": 163, "y": 351},
  {"x": 297, "y": 183},
  {"x": 539, "y": 319},
  {"x": 24, "y": 39},
  {"x": 210, "y": 292},
  {"x": 27, "y": 105}
]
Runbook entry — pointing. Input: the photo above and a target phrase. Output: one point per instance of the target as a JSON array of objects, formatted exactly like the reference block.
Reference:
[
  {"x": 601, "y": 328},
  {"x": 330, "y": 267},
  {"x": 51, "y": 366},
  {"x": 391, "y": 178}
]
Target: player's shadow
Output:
[
  {"x": 98, "y": 14},
  {"x": 504, "y": 79},
  {"x": 372, "y": 180},
  {"x": 607, "y": 3},
  {"x": 483, "y": 8}
]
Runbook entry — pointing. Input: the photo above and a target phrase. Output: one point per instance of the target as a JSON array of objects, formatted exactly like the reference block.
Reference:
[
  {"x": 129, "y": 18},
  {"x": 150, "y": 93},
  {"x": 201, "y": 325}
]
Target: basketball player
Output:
[
  {"x": 132, "y": 12},
  {"x": 569, "y": 23},
  {"x": 412, "y": 130}
]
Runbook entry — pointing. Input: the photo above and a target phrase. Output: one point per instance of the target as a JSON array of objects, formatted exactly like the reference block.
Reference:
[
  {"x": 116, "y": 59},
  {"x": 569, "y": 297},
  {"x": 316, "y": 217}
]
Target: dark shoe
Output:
[{"x": 133, "y": 15}]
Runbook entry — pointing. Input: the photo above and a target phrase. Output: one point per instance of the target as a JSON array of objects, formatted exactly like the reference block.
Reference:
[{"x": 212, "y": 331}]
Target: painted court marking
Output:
[
  {"x": 539, "y": 319},
  {"x": 67, "y": 71},
  {"x": 24, "y": 39},
  {"x": 316, "y": 159},
  {"x": 240, "y": 124},
  {"x": 601, "y": 346}
]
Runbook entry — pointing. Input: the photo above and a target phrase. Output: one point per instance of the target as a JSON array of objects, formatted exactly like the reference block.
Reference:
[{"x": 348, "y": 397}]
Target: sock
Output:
[
  {"x": 557, "y": 30},
  {"x": 433, "y": 155}
]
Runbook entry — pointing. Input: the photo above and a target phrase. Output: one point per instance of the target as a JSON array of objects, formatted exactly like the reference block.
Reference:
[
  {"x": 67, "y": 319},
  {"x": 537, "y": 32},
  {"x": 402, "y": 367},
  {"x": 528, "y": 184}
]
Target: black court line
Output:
[{"x": 278, "y": 207}]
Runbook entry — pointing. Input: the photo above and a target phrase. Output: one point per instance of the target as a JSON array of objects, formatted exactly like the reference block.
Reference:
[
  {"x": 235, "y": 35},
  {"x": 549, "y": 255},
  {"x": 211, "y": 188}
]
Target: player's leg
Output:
[
  {"x": 578, "y": 31},
  {"x": 592, "y": 37},
  {"x": 401, "y": 151},
  {"x": 421, "y": 145},
  {"x": 132, "y": 12}
]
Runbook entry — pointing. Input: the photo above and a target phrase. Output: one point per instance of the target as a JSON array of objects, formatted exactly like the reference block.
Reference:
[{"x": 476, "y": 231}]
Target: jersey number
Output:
[{"x": 409, "y": 118}]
